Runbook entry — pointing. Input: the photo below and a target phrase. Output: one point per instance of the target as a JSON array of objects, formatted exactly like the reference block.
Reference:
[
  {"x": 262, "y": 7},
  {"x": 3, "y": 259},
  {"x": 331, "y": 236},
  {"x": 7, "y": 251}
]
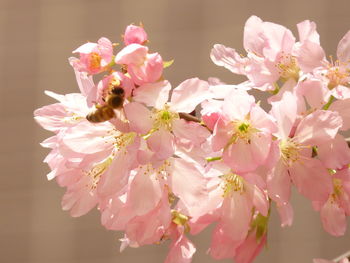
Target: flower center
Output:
[
  {"x": 288, "y": 67},
  {"x": 242, "y": 130},
  {"x": 95, "y": 60},
  {"x": 163, "y": 118},
  {"x": 232, "y": 183},
  {"x": 289, "y": 151},
  {"x": 124, "y": 139},
  {"x": 337, "y": 74}
]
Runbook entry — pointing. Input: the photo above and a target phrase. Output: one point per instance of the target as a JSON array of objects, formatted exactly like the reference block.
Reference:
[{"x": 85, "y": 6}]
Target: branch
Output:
[{"x": 189, "y": 117}]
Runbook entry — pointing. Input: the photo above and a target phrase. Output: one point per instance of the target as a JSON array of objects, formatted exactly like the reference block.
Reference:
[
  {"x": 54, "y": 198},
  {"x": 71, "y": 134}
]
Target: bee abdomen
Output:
[{"x": 101, "y": 114}]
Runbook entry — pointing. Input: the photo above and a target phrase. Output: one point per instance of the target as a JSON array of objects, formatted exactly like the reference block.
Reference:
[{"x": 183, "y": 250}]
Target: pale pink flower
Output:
[
  {"x": 296, "y": 141},
  {"x": 269, "y": 58},
  {"x": 232, "y": 198},
  {"x": 243, "y": 131},
  {"x": 94, "y": 57},
  {"x": 162, "y": 127}
]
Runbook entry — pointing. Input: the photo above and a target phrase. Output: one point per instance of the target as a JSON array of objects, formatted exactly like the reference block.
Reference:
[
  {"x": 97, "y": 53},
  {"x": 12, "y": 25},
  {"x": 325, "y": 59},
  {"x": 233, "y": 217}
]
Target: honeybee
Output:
[{"x": 114, "y": 100}]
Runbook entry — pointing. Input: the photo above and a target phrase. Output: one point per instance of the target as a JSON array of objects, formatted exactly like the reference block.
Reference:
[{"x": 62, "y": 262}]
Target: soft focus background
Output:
[{"x": 37, "y": 37}]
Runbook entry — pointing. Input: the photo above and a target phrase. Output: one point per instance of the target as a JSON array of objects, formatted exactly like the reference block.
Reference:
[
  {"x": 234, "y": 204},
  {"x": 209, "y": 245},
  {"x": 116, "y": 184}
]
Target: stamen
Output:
[
  {"x": 288, "y": 67},
  {"x": 97, "y": 170},
  {"x": 232, "y": 182},
  {"x": 337, "y": 73},
  {"x": 95, "y": 60}
]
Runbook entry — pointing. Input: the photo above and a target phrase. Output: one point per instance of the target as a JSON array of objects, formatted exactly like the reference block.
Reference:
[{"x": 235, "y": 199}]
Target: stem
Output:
[
  {"x": 330, "y": 101},
  {"x": 189, "y": 117},
  {"x": 212, "y": 159}
]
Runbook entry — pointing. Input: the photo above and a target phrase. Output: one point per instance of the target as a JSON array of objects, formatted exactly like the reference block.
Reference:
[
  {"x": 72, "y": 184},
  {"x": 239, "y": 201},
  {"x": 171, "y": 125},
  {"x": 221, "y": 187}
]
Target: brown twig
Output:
[{"x": 189, "y": 117}]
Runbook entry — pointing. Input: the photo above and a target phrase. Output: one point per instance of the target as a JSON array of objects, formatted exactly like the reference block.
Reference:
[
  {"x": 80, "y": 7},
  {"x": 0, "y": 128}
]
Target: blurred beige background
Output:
[{"x": 37, "y": 37}]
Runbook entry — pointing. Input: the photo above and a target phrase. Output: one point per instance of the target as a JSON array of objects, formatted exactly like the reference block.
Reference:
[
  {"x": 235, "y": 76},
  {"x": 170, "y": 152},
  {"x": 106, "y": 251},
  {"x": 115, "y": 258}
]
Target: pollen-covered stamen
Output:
[
  {"x": 73, "y": 118},
  {"x": 122, "y": 140},
  {"x": 95, "y": 60},
  {"x": 337, "y": 188},
  {"x": 161, "y": 171},
  {"x": 337, "y": 73},
  {"x": 290, "y": 151},
  {"x": 232, "y": 183},
  {"x": 242, "y": 130},
  {"x": 288, "y": 67},
  {"x": 97, "y": 170},
  {"x": 164, "y": 118}
]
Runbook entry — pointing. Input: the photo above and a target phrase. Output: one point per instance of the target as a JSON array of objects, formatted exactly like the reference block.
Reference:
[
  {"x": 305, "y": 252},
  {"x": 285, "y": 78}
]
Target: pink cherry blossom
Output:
[{"x": 94, "y": 57}]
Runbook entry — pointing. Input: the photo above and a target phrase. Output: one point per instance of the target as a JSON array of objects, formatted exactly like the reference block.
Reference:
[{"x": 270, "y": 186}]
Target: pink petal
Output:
[
  {"x": 222, "y": 246},
  {"x": 79, "y": 198},
  {"x": 310, "y": 56},
  {"x": 237, "y": 105},
  {"x": 307, "y": 31},
  {"x": 240, "y": 157},
  {"x": 189, "y": 94},
  {"x": 88, "y": 138},
  {"x": 150, "y": 228},
  {"x": 85, "y": 48},
  {"x": 333, "y": 218},
  {"x": 221, "y": 136},
  {"x": 134, "y": 34},
  {"x": 315, "y": 92},
  {"x": 153, "y": 94},
  {"x": 117, "y": 175},
  {"x": 343, "y": 50},
  {"x": 262, "y": 121},
  {"x": 191, "y": 131},
  {"x": 343, "y": 108},
  {"x": 310, "y": 174},
  {"x": 139, "y": 117},
  {"x": 335, "y": 154},
  {"x": 181, "y": 251},
  {"x": 150, "y": 71},
  {"x": 132, "y": 54},
  {"x": 285, "y": 112},
  {"x": 228, "y": 58},
  {"x": 250, "y": 248},
  {"x": 253, "y": 40},
  {"x": 162, "y": 143},
  {"x": 85, "y": 83},
  {"x": 194, "y": 195},
  {"x": 145, "y": 192},
  {"x": 318, "y": 127},
  {"x": 285, "y": 211},
  {"x": 236, "y": 216},
  {"x": 105, "y": 48},
  {"x": 278, "y": 38},
  {"x": 278, "y": 183}
]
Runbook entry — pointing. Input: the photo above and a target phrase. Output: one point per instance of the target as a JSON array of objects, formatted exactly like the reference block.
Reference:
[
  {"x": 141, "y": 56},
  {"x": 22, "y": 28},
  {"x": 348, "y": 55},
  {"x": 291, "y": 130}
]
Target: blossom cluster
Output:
[{"x": 132, "y": 146}]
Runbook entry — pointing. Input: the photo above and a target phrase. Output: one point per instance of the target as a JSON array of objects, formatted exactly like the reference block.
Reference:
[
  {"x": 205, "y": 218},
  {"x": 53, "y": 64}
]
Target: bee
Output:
[{"x": 114, "y": 100}]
